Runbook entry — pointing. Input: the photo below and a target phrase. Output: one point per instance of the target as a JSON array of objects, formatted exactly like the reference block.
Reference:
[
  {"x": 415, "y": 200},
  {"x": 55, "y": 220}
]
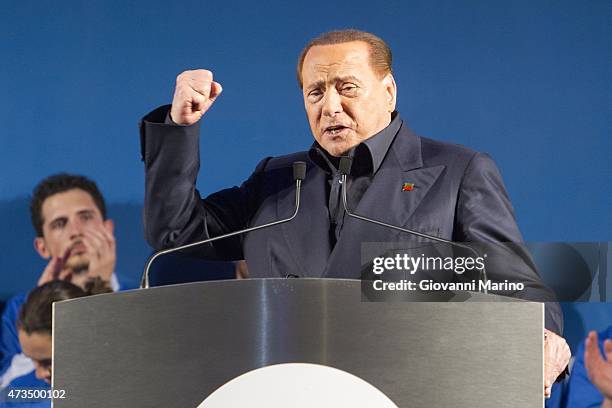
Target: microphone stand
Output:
[
  {"x": 345, "y": 169},
  {"x": 299, "y": 173}
]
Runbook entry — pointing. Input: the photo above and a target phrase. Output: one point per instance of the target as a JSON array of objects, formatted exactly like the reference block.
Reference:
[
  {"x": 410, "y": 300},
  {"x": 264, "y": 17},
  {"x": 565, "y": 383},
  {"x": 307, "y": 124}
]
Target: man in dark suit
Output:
[{"x": 397, "y": 177}]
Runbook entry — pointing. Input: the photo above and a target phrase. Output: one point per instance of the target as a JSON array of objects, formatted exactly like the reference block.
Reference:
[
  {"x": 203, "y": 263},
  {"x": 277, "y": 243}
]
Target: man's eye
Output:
[
  {"x": 314, "y": 96},
  {"x": 58, "y": 224},
  {"x": 86, "y": 216},
  {"x": 348, "y": 88}
]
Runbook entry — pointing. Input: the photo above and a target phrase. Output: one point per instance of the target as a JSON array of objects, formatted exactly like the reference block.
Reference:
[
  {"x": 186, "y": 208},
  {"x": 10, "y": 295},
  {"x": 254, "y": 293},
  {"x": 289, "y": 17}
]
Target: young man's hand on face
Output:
[
  {"x": 101, "y": 246},
  {"x": 54, "y": 269}
]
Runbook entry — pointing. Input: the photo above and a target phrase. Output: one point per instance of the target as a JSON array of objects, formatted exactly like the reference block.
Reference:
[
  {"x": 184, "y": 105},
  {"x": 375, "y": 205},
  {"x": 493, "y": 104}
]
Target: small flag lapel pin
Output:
[{"x": 408, "y": 187}]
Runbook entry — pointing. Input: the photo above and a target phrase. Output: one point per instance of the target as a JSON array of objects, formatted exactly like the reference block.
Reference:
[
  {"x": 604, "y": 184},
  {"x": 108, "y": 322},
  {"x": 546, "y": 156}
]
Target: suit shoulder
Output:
[
  {"x": 456, "y": 158},
  {"x": 439, "y": 152},
  {"x": 281, "y": 162}
]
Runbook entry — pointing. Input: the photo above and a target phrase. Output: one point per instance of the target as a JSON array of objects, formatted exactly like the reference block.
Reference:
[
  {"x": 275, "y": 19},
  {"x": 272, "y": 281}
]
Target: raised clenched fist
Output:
[{"x": 194, "y": 94}]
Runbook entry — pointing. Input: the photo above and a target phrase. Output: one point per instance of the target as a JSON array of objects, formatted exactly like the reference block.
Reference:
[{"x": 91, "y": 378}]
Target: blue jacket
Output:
[{"x": 9, "y": 342}]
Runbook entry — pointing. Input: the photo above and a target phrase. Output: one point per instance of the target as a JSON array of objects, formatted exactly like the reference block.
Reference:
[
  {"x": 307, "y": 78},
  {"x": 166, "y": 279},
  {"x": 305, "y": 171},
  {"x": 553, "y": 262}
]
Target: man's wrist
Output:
[{"x": 168, "y": 120}]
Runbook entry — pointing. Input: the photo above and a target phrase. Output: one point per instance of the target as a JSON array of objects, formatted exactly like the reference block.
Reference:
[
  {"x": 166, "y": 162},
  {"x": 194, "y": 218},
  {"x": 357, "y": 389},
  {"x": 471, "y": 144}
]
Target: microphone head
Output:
[
  {"x": 299, "y": 170},
  {"x": 345, "y": 165}
]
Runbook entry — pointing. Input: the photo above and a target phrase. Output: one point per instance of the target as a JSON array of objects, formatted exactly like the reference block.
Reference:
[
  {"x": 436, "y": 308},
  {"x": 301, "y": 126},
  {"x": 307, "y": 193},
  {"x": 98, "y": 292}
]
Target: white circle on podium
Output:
[{"x": 297, "y": 385}]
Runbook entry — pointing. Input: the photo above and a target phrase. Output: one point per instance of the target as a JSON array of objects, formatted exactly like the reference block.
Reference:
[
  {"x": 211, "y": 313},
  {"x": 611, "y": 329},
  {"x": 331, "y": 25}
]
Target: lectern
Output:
[{"x": 173, "y": 346}]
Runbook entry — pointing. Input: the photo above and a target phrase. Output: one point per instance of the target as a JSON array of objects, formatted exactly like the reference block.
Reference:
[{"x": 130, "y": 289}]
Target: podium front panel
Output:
[{"x": 172, "y": 346}]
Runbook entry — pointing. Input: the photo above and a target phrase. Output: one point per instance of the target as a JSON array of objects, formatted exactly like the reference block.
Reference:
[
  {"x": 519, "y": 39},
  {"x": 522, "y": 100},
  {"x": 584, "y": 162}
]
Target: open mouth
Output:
[{"x": 335, "y": 130}]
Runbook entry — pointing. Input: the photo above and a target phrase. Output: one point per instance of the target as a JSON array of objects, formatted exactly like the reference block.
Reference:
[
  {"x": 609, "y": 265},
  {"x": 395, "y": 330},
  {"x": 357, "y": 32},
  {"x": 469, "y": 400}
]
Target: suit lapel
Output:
[{"x": 386, "y": 201}]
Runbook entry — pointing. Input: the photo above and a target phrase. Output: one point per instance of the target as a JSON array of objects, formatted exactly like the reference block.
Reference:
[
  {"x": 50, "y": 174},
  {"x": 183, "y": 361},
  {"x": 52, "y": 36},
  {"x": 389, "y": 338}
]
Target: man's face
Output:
[
  {"x": 66, "y": 216},
  {"x": 37, "y": 346},
  {"x": 346, "y": 100}
]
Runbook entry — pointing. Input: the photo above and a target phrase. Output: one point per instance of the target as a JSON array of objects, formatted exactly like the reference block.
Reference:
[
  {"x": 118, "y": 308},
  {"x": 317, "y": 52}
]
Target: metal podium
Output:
[{"x": 172, "y": 346}]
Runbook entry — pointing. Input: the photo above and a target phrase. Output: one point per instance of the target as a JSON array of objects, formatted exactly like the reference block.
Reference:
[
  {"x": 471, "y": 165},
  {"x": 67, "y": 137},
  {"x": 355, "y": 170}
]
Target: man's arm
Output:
[
  {"x": 485, "y": 216},
  {"x": 171, "y": 153},
  {"x": 174, "y": 214}
]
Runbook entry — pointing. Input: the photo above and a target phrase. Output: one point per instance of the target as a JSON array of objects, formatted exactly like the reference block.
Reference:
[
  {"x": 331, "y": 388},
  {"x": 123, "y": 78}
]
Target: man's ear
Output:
[
  {"x": 41, "y": 247},
  {"x": 109, "y": 225},
  {"x": 391, "y": 91}
]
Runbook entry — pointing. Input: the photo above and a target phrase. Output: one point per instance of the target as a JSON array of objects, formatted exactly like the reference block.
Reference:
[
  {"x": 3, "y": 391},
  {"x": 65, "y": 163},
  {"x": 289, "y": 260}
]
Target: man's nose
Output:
[
  {"x": 332, "y": 103},
  {"x": 75, "y": 228}
]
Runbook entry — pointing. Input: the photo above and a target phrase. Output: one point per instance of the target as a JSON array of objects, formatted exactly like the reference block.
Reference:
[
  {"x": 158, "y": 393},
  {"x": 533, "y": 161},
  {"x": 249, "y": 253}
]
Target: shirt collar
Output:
[{"x": 367, "y": 155}]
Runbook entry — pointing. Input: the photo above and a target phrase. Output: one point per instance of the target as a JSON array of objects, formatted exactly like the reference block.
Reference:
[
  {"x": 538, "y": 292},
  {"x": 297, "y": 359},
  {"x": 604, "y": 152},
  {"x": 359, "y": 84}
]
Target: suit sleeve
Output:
[
  {"x": 174, "y": 213},
  {"x": 485, "y": 216}
]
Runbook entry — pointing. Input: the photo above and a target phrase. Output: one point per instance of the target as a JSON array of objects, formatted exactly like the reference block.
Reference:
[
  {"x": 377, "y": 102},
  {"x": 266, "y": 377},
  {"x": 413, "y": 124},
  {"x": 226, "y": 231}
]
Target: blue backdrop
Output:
[{"x": 528, "y": 82}]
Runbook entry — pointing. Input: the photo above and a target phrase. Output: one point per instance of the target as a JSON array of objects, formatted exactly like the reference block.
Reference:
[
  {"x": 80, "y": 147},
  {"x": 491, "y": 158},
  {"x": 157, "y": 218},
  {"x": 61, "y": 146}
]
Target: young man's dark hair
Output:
[
  {"x": 35, "y": 314},
  {"x": 34, "y": 324},
  {"x": 59, "y": 183}
]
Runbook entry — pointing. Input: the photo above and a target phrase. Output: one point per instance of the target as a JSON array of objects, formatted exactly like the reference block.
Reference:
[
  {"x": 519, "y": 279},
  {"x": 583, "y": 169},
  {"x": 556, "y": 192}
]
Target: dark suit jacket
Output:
[{"x": 458, "y": 195}]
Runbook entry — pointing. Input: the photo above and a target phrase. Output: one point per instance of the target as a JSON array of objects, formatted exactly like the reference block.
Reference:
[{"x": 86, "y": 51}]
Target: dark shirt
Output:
[{"x": 367, "y": 158}]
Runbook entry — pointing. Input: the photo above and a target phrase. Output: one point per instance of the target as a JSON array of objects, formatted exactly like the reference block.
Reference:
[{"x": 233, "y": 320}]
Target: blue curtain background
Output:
[{"x": 528, "y": 82}]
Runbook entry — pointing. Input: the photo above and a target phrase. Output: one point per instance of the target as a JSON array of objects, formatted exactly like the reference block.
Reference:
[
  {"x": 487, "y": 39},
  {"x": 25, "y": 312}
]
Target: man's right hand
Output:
[
  {"x": 599, "y": 369},
  {"x": 53, "y": 270},
  {"x": 194, "y": 94}
]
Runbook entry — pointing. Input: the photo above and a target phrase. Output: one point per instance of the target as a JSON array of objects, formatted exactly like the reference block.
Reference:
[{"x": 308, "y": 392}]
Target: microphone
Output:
[
  {"x": 345, "y": 168},
  {"x": 299, "y": 173}
]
